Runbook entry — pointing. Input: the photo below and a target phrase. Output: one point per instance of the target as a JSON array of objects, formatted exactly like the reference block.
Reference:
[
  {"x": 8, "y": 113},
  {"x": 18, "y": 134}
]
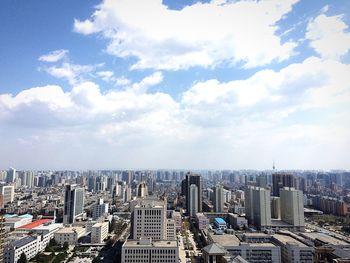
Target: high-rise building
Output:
[
  {"x": 193, "y": 197},
  {"x": 275, "y": 207},
  {"x": 99, "y": 209},
  {"x": 261, "y": 180},
  {"x": 280, "y": 180},
  {"x": 8, "y": 193},
  {"x": 292, "y": 207},
  {"x": 99, "y": 232},
  {"x": 258, "y": 206},
  {"x": 192, "y": 179},
  {"x": 261, "y": 207},
  {"x": 11, "y": 175},
  {"x": 148, "y": 219},
  {"x": 73, "y": 203},
  {"x": 218, "y": 198},
  {"x": 142, "y": 190}
]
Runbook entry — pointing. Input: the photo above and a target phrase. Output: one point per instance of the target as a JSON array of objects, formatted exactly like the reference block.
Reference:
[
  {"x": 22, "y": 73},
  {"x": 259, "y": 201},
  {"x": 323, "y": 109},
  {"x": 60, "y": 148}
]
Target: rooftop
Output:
[
  {"x": 220, "y": 221},
  {"x": 36, "y": 223},
  {"x": 284, "y": 239},
  {"x": 69, "y": 230},
  {"x": 324, "y": 238},
  {"x": 225, "y": 240},
  {"x": 159, "y": 244}
]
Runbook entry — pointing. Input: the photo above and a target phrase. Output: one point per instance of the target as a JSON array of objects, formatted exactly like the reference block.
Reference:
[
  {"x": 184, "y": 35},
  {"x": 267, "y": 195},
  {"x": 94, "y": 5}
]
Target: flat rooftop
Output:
[
  {"x": 157, "y": 244},
  {"x": 286, "y": 239},
  {"x": 225, "y": 240},
  {"x": 324, "y": 238},
  {"x": 69, "y": 230}
]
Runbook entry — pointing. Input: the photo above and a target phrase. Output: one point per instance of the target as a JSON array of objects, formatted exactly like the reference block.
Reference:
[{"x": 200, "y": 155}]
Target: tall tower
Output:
[
  {"x": 292, "y": 202},
  {"x": 193, "y": 197},
  {"x": 192, "y": 179},
  {"x": 219, "y": 198},
  {"x": 261, "y": 208},
  {"x": 280, "y": 180},
  {"x": 11, "y": 175},
  {"x": 73, "y": 203}
]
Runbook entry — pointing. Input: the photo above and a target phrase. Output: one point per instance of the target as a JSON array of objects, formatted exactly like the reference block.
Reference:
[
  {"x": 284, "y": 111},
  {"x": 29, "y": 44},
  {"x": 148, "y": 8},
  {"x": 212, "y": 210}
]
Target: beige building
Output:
[
  {"x": 69, "y": 234},
  {"x": 292, "y": 250},
  {"x": 149, "y": 219},
  {"x": 292, "y": 202},
  {"x": 99, "y": 232},
  {"x": 146, "y": 250}
]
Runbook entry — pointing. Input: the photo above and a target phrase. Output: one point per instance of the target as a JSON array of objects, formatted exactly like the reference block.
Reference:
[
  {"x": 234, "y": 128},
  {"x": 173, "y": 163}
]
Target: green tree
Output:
[
  {"x": 23, "y": 258},
  {"x": 65, "y": 245}
]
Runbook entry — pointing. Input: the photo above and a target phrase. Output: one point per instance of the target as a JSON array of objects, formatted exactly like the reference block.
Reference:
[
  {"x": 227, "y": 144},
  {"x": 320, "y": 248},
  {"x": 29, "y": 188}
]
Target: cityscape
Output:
[
  {"x": 174, "y": 131},
  {"x": 175, "y": 216}
]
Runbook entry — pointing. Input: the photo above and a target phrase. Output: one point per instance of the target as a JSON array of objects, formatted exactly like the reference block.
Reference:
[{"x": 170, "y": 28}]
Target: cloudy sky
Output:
[{"x": 218, "y": 84}]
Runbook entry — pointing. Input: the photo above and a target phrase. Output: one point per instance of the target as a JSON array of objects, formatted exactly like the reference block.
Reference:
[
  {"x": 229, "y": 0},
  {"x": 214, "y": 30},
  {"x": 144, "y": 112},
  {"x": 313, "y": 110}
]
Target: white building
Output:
[
  {"x": 15, "y": 221},
  {"x": 99, "y": 232},
  {"x": 69, "y": 235},
  {"x": 171, "y": 229},
  {"x": 202, "y": 221},
  {"x": 292, "y": 250},
  {"x": 8, "y": 193},
  {"x": 99, "y": 209},
  {"x": 292, "y": 202},
  {"x": 146, "y": 250},
  {"x": 149, "y": 220}
]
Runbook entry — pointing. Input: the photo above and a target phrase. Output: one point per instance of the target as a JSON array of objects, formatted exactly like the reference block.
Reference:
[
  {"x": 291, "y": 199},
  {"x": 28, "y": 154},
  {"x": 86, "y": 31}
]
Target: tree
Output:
[
  {"x": 65, "y": 245},
  {"x": 53, "y": 243},
  {"x": 23, "y": 258}
]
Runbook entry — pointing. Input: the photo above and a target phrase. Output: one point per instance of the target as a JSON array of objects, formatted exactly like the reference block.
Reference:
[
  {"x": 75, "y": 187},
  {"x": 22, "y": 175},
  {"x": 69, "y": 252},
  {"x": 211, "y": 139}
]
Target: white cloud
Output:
[
  {"x": 235, "y": 124},
  {"x": 329, "y": 35},
  {"x": 203, "y": 34},
  {"x": 54, "y": 56},
  {"x": 73, "y": 73}
]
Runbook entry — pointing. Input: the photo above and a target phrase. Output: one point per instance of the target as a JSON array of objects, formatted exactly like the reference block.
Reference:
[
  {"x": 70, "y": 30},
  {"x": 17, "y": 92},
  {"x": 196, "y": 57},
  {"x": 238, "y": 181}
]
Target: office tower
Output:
[
  {"x": 148, "y": 219},
  {"x": 11, "y": 175},
  {"x": 275, "y": 207},
  {"x": 73, "y": 203},
  {"x": 196, "y": 180},
  {"x": 218, "y": 198},
  {"x": 280, "y": 180},
  {"x": 261, "y": 180},
  {"x": 99, "y": 232},
  {"x": 193, "y": 197},
  {"x": 99, "y": 209},
  {"x": 91, "y": 183},
  {"x": 126, "y": 193},
  {"x": 248, "y": 203},
  {"x": 8, "y": 193},
  {"x": 141, "y": 190},
  {"x": 292, "y": 207},
  {"x": 261, "y": 208},
  {"x": 127, "y": 177}
]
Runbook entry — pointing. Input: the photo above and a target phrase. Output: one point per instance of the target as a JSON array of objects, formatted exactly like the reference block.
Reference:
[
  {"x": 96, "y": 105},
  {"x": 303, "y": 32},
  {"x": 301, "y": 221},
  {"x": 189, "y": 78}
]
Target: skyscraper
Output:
[
  {"x": 280, "y": 180},
  {"x": 142, "y": 190},
  {"x": 196, "y": 180},
  {"x": 292, "y": 207},
  {"x": 218, "y": 198},
  {"x": 11, "y": 175},
  {"x": 99, "y": 209},
  {"x": 193, "y": 197},
  {"x": 73, "y": 203},
  {"x": 258, "y": 206},
  {"x": 8, "y": 193}
]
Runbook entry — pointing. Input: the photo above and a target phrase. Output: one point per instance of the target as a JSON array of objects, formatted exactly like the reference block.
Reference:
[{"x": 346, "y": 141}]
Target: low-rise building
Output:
[
  {"x": 202, "y": 221},
  {"x": 146, "y": 250},
  {"x": 99, "y": 232},
  {"x": 69, "y": 235}
]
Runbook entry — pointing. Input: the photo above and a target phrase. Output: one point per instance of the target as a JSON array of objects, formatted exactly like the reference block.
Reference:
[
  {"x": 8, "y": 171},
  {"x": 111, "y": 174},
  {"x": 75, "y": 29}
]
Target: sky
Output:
[{"x": 129, "y": 84}]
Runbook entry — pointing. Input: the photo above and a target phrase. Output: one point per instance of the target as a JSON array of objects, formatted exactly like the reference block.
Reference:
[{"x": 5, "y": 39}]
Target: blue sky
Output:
[{"x": 174, "y": 84}]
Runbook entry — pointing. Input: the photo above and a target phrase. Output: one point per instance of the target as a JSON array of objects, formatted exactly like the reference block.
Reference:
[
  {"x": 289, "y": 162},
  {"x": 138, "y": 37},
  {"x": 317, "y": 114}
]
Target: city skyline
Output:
[{"x": 175, "y": 85}]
